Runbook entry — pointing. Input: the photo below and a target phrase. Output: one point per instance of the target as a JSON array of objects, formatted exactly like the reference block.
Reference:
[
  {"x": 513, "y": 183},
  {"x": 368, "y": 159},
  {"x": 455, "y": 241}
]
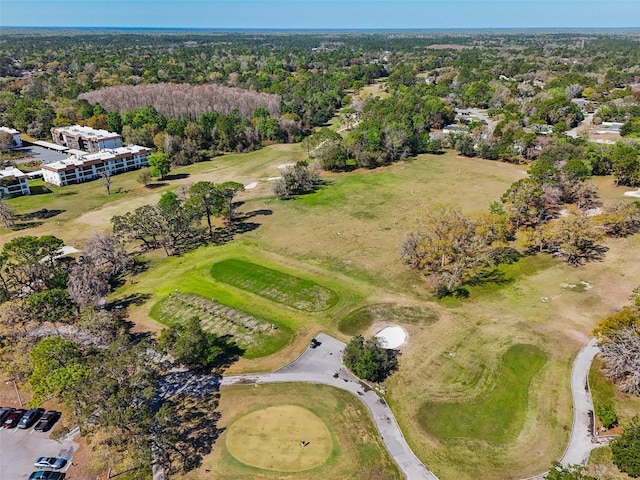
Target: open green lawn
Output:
[
  {"x": 281, "y": 438},
  {"x": 359, "y": 320},
  {"x": 499, "y": 416},
  {"x": 274, "y": 285},
  {"x": 346, "y": 238},
  {"x": 337, "y": 420}
]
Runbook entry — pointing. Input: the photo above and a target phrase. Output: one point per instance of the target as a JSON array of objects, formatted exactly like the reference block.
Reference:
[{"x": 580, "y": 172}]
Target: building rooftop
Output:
[
  {"x": 80, "y": 130},
  {"x": 103, "y": 155},
  {"x": 50, "y": 146},
  {"x": 12, "y": 172},
  {"x": 11, "y": 131}
]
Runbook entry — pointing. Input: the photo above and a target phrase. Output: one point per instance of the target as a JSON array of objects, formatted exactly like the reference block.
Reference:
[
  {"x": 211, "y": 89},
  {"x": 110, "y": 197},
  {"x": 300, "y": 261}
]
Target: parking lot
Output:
[
  {"x": 20, "y": 448},
  {"x": 41, "y": 154}
]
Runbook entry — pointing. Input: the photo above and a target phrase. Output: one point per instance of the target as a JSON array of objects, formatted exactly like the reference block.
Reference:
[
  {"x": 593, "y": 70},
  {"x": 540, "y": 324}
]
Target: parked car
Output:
[
  {"x": 30, "y": 417},
  {"x": 4, "y": 413},
  {"x": 51, "y": 462},
  {"x": 47, "y": 420},
  {"x": 46, "y": 475},
  {"x": 13, "y": 418}
]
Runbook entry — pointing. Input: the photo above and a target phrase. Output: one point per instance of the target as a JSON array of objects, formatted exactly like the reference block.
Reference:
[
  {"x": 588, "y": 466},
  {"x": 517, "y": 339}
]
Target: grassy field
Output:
[
  {"x": 274, "y": 285},
  {"x": 356, "y": 450},
  {"x": 358, "y": 321},
  {"x": 255, "y": 336},
  {"x": 499, "y": 416},
  {"x": 281, "y": 438},
  {"x": 346, "y": 237}
]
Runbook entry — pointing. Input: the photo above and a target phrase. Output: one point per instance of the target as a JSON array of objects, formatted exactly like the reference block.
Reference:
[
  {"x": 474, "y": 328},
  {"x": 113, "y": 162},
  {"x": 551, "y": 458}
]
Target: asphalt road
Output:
[{"x": 20, "y": 448}]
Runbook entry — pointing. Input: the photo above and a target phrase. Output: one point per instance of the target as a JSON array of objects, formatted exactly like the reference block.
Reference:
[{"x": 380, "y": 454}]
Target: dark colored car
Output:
[
  {"x": 47, "y": 420},
  {"x": 55, "y": 463},
  {"x": 315, "y": 343},
  {"x": 30, "y": 417},
  {"x": 13, "y": 418},
  {"x": 4, "y": 413},
  {"x": 46, "y": 475}
]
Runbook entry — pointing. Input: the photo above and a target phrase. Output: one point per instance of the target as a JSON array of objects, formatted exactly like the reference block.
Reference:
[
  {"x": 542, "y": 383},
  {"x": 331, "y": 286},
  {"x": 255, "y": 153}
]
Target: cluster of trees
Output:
[
  {"x": 386, "y": 130},
  {"x": 554, "y": 210},
  {"x": 368, "y": 359},
  {"x": 297, "y": 179},
  {"x": 183, "y": 101},
  {"x": 619, "y": 339},
  {"x": 174, "y": 223},
  {"x": 452, "y": 248},
  {"x": 626, "y": 449},
  {"x": 58, "y": 334}
]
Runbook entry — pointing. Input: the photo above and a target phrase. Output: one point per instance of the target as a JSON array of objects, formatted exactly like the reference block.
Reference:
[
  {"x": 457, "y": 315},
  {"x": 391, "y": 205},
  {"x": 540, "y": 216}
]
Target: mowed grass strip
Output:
[
  {"x": 255, "y": 336},
  {"x": 283, "y": 438},
  {"x": 499, "y": 416},
  {"x": 359, "y": 320},
  {"x": 274, "y": 285}
]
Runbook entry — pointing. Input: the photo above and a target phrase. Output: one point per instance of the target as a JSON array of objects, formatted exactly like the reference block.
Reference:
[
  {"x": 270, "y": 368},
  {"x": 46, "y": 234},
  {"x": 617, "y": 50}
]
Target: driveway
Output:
[{"x": 20, "y": 448}]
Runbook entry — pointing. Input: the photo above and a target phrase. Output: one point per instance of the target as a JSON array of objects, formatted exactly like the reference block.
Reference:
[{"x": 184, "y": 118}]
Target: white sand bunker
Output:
[
  {"x": 632, "y": 194},
  {"x": 273, "y": 179},
  {"x": 251, "y": 186},
  {"x": 285, "y": 165},
  {"x": 391, "y": 337}
]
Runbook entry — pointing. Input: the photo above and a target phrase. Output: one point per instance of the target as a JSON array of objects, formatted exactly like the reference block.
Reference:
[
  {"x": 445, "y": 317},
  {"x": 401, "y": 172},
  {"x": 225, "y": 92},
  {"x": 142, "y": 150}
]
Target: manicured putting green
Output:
[
  {"x": 274, "y": 285},
  {"x": 498, "y": 417},
  {"x": 272, "y": 439}
]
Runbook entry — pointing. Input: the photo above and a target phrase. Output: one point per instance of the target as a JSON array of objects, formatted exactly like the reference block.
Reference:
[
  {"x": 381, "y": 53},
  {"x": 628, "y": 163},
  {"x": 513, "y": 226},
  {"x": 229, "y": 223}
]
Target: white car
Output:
[{"x": 56, "y": 463}]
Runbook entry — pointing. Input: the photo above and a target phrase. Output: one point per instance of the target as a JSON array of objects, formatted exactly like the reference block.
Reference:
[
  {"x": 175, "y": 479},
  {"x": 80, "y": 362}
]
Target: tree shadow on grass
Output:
[
  {"x": 153, "y": 186},
  {"x": 41, "y": 214},
  {"x": 228, "y": 233},
  {"x": 39, "y": 190},
  {"x": 255, "y": 213},
  {"x": 186, "y": 430},
  {"x": 490, "y": 276},
  {"x": 126, "y": 302},
  {"x": 176, "y": 176}
]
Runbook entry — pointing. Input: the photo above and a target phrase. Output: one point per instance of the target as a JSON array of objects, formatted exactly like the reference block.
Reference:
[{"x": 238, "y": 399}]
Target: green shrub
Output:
[{"x": 607, "y": 414}]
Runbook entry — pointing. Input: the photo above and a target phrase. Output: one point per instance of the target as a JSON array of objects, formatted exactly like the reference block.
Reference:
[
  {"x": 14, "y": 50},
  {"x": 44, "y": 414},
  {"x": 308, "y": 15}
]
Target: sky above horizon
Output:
[{"x": 325, "y": 14}]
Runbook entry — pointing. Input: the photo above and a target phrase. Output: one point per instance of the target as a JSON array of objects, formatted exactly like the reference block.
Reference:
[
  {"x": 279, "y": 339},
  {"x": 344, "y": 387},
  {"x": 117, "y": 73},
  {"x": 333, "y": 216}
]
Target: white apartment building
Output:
[
  {"x": 87, "y": 167},
  {"x": 14, "y": 133},
  {"x": 13, "y": 182},
  {"x": 85, "y": 138}
]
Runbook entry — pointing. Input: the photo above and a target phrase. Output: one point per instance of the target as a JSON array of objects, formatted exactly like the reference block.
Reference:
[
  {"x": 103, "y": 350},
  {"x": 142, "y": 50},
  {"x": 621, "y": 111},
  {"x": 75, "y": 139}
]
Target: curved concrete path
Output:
[
  {"x": 323, "y": 365},
  {"x": 582, "y": 440}
]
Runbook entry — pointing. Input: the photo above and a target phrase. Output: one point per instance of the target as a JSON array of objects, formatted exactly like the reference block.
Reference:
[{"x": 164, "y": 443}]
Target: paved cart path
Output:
[{"x": 323, "y": 365}]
